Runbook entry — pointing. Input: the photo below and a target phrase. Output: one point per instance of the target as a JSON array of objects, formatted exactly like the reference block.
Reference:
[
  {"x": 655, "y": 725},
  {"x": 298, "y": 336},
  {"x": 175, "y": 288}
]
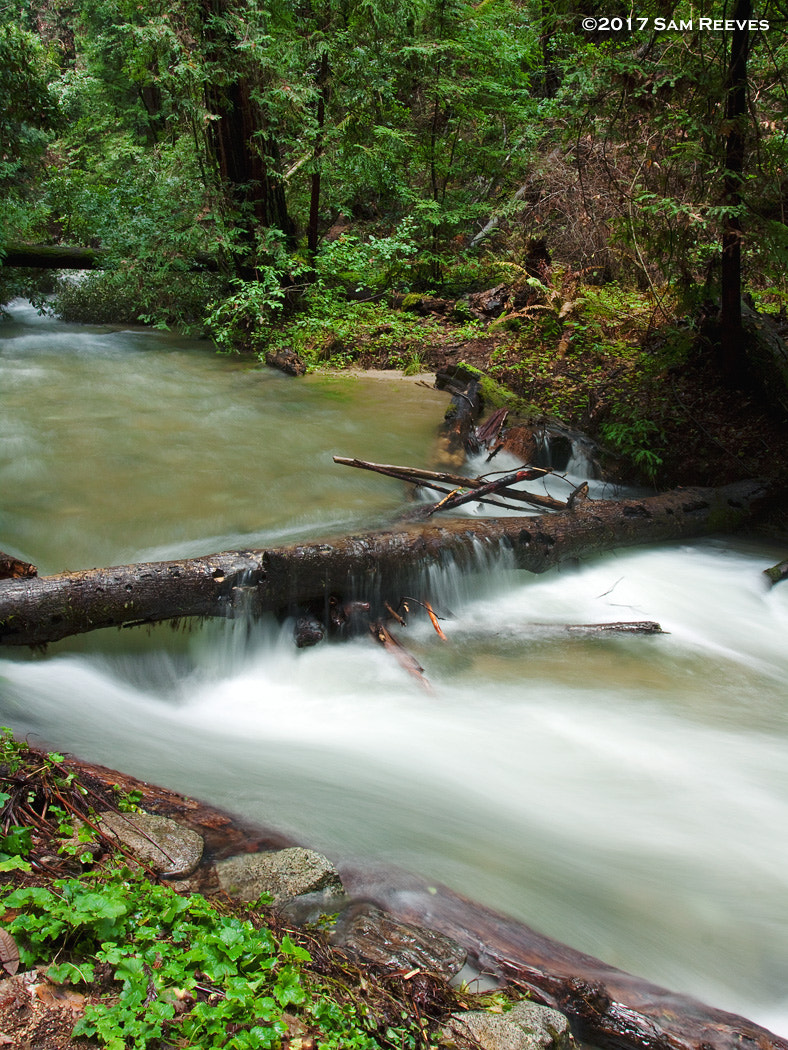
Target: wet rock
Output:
[
  {"x": 286, "y": 361},
  {"x": 308, "y": 631},
  {"x": 163, "y": 845},
  {"x": 377, "y": 938},
  {"x": 284, "y": 874},
  {"x": 311, "y": 907},
  {"x": 527, "y": 1026}
]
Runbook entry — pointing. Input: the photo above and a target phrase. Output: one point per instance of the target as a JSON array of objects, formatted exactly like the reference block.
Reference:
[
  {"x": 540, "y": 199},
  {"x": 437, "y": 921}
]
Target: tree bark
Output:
[
  {"x": 457, "y": 435},
  {"x": 733, "y": 349},
  {"x": 375, "y": 567}
]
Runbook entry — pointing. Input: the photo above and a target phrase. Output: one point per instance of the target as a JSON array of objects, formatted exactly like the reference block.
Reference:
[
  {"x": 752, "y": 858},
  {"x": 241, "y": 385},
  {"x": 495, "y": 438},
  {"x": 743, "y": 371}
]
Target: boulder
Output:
[
  {"x": 282, "y": 874},
  {"x": 163, "y": 845},
  {"x": 527, "y": 1026},
  {"x": 368, "y": 932}
]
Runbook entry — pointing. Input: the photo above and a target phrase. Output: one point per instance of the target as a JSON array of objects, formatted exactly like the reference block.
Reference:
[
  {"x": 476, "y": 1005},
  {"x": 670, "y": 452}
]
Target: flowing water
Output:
[{"x": 628, "y": 796}]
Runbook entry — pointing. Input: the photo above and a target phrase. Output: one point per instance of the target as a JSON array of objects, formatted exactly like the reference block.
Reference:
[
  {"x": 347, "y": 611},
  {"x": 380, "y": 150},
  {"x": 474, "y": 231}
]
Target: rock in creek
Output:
[
  {"x": 168, "y": 848},
  {"x": 284, "y": 874},
  {"x": 527, "y": 1026},
  {"x": 369, "y": 933},
  {"x": 286, "y": 361}
]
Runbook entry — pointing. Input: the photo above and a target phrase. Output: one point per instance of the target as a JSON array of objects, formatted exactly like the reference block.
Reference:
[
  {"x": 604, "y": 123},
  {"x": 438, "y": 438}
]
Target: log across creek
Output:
[{"x": 376, "y": 566}]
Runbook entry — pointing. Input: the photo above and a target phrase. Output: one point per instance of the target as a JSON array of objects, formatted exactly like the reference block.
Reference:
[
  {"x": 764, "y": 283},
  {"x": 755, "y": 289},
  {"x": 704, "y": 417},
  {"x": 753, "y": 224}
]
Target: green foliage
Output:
[
  {"x": 649, "y": 135},
  {"x": 28, "y": 112},
  {"x": 166, "y": 952},
  {"x": 340, "y": 305},
  {"x": 638, "y": 440},
  {"x": 355, "y": 266},
  {"x": 243, "y": 321}
]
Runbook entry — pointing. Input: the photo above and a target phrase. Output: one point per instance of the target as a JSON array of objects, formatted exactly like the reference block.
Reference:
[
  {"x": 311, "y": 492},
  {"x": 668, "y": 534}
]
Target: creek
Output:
[{"x": 625, "y": 795}]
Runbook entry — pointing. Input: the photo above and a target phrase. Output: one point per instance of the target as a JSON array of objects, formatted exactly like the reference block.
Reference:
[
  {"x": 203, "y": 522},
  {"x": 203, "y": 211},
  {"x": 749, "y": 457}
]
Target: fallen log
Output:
[
  {"x": 368, "y": 567},
  {"x": 74, "y": 257}
]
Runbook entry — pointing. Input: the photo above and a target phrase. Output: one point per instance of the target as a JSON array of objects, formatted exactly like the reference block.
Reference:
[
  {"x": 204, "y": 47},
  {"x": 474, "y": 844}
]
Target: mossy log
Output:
[
  {"x": 73, "y": 257},
  {"x": 374, "y": 567}
]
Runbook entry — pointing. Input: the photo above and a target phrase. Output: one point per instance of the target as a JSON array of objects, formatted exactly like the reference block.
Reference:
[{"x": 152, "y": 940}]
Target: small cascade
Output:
[{"x": 566, "y": 452}]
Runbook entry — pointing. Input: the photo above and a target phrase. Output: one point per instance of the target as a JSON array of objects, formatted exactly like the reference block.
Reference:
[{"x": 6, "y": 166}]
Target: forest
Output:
[
  {"x": 583, "y": 215},
  {"x": 343, "y": 180}
]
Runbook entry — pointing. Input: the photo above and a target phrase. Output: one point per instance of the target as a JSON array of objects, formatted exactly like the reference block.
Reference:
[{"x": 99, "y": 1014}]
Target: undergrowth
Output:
[{"x": 163, "y": 969}]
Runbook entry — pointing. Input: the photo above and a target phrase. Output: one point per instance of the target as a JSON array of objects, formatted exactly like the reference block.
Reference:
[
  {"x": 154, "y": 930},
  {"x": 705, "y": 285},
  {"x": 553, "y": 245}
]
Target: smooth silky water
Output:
[{"x": 628, "y": 796}]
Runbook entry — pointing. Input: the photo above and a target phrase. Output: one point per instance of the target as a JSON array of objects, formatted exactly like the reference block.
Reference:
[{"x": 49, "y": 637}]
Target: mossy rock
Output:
[{"x": 494, "y": 395}]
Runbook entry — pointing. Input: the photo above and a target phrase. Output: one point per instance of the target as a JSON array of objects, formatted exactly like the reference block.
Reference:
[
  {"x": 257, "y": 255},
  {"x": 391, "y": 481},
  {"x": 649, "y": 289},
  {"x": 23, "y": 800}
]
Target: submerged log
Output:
[
  {"x": 368, "y": 567},
  {"x": 619, "y": 627},
  {"x": 606, "y": 1006}
]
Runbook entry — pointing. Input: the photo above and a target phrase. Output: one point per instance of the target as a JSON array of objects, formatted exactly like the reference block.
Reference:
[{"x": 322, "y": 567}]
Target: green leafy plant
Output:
[
  {"x": 182, "y": 970},
  {"x": 243, "y": 321},
  {"x": 638, "y": 440}
]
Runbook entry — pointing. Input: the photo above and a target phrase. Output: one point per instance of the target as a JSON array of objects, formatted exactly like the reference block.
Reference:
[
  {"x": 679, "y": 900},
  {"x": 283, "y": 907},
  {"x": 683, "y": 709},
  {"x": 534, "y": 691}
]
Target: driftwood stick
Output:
[
  {"x": 498, "y": 486},
  {"x": 405, "y": 659},
  {"x": 776, "y": 573},
  {"x": 423, "y": 478}
]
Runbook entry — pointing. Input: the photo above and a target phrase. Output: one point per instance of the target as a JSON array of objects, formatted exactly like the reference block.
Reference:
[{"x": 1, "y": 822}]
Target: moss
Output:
[{"x": 496, "y": 396}]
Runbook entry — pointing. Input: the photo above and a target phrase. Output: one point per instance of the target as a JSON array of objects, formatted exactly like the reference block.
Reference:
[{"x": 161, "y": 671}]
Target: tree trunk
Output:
[
  {"x": 376, "y": 567},
  {"x": 244, "y": 147},
  {"x": 321, "y": 83},
  {"x": 733, "y": 350}
]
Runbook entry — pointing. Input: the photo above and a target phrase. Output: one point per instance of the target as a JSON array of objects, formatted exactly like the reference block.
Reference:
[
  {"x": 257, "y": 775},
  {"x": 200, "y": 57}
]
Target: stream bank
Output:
[{"x": 429, "y": 948}]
